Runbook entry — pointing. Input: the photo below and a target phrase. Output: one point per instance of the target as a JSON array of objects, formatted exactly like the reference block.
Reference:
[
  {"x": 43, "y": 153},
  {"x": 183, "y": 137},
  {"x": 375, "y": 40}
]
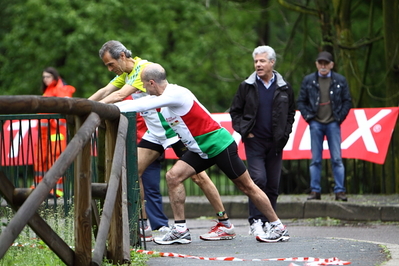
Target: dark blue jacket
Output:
[
  {"x": 245, "y": 106},
  {"x": 309, "y": 97}
]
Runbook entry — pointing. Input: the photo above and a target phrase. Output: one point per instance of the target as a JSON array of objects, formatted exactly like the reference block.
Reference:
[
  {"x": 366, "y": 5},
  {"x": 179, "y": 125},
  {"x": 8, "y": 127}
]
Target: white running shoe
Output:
[
  {"x": 219, "y": 232},
  {"x": 267, "y": 227},
  {"x": 174, "y": 236},
  {"x": 164, "y": 229},
  {"x": 256, "y": 228},
  {"x": 147, "y": 235},
  {"x": 275, "y": 234}
]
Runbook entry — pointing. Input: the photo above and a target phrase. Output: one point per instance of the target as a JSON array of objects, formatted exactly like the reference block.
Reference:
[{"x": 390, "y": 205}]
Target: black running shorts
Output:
[{"x": 228, "y": 161}]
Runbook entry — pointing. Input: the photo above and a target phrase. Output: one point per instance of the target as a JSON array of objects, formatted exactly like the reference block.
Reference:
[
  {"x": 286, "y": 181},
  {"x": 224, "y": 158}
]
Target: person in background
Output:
[
  {"x": 52, "y": 134},
  {"x": 263, "y": 111},
  {"x": 324, "y": 102}
]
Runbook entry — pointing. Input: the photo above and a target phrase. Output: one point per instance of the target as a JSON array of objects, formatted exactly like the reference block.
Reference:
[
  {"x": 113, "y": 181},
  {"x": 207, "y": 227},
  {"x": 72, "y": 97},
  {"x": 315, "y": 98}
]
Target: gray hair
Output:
[
  {"x": 154, "y": 72},
  {"x": 265, "y": 49},
  {"x": 115, "y": 48}
]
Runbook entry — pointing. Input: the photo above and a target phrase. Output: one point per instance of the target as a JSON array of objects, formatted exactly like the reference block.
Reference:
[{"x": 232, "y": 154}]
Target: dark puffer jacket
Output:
[
  {"x": 309, "y": 97},
  {"x": 245, "y": 106}
]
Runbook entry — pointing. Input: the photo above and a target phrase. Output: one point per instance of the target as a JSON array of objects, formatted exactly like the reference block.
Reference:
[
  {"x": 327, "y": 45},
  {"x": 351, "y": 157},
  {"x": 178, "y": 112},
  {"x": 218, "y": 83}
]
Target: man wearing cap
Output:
[{"x": 324, "y": 102}]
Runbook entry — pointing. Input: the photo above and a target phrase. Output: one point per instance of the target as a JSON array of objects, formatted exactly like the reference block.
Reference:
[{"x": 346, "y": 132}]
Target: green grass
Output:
[
  {"x": 42, "y": 255},
  {"x": 30, "y": 250},
  {"x": 324, "y": 221}
]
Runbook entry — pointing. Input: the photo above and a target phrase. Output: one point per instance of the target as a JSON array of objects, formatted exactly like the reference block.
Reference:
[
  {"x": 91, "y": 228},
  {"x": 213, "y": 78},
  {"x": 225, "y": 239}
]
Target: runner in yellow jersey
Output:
[{"x": 128, "y": 82}]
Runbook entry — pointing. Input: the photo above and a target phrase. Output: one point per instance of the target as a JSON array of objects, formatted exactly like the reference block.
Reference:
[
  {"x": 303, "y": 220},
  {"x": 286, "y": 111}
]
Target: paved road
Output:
[{"x": 361, "y": 244}]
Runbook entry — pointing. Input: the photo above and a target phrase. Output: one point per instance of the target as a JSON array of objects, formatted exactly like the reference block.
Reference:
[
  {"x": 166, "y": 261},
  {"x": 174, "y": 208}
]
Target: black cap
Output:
[{"x": 326, "y": 56}]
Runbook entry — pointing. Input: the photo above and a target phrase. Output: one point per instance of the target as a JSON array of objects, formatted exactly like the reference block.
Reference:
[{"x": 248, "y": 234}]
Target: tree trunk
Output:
[
  {"x": 344, "y": 36},
  {"x": 324, "y": 10},
  {"x": 391, "y": 40},
  {"x": 263, "y": 28}
]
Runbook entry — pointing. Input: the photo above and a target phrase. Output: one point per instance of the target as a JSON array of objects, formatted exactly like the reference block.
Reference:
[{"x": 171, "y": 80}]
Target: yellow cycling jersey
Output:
[{"x": 132, "y": 78}]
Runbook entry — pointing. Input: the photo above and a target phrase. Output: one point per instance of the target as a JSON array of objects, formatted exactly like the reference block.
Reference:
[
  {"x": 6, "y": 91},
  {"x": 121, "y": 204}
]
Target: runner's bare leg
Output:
[
  {"x": 179, "y": 172},
  {"x": 211, "y": 192}
]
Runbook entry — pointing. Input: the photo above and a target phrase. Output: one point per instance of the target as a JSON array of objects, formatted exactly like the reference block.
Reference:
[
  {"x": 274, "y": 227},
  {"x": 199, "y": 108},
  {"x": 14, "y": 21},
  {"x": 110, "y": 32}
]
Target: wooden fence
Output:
[{"x": 84, "y": 117}]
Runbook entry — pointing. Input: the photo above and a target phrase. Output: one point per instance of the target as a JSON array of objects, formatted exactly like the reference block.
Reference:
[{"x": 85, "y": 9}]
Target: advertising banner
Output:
[{"x": 365, "y": 133}]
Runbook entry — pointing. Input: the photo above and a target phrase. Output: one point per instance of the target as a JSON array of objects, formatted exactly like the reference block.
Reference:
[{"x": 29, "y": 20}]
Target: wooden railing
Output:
[{"x": 85, "y": 117}]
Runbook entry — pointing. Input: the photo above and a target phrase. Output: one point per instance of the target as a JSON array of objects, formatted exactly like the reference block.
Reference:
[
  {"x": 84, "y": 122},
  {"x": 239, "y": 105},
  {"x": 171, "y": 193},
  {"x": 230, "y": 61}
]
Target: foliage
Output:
[
  {"x": 204, "y": 45},
  {"x": 198, "y": 46}
]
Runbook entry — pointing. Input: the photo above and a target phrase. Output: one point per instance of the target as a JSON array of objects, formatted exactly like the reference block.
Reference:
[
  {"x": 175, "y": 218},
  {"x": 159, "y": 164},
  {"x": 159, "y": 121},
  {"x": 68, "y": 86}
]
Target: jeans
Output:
[
  {"x": 333, "y": 133},
  {"x": 152, "y": 194},
  {"x": 264, "y": 167}
]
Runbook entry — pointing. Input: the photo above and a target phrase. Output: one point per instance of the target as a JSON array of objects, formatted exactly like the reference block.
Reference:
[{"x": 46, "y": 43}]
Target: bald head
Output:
[
  {"x": 154, "y": 72},
  {"x": 154, "y": 80}
]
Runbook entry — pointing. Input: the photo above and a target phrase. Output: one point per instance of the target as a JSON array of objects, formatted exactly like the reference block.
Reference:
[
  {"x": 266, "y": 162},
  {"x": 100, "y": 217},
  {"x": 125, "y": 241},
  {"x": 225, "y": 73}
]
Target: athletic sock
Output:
[
  {"x": 279, "y": 224},
  {"x": 181, "y": 226},
  {"x": 226, "y": 222}
]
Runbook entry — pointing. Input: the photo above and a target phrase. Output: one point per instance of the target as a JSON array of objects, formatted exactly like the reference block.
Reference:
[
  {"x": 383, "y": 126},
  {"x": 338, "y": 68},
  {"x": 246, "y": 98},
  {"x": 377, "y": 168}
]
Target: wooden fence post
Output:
[
  {"x": 112, "y": 215},
  {"x": 82, "y": 202},
  {"x": 29, "y": 207}
]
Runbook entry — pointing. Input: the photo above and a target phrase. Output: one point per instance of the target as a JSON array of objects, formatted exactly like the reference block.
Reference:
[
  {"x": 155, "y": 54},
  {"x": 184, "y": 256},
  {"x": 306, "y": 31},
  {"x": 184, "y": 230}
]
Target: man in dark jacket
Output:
[
  {"x": 262, "y": 112},
  {"x": 324, "y": 102}
]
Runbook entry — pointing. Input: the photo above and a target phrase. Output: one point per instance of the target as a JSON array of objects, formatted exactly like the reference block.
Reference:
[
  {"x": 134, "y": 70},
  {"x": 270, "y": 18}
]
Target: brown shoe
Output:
[
  {"x": 341, "y": 196},
  {"x": 314, "y": 196}
]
